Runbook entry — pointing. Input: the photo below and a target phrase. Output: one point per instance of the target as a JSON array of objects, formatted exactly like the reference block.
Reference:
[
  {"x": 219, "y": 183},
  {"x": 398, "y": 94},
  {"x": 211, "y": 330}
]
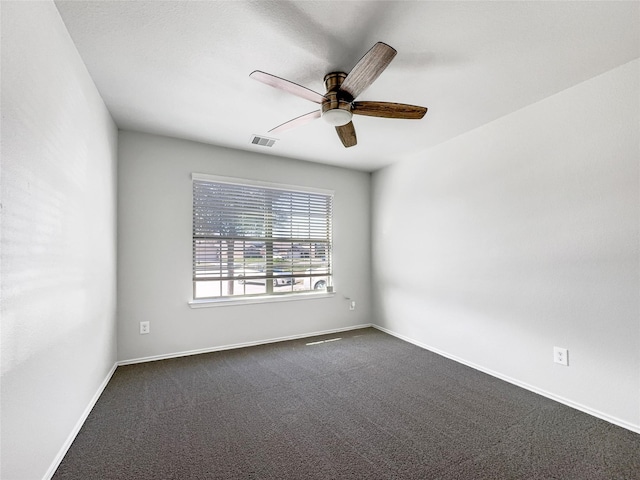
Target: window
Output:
[{"x": 255, "y": 239}]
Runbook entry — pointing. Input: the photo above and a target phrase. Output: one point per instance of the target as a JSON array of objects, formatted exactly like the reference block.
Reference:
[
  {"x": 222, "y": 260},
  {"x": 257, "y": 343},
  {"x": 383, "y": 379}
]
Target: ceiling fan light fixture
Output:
[
  {"x": 337, "y": 117},
  {"x": 338, "y": 105}
]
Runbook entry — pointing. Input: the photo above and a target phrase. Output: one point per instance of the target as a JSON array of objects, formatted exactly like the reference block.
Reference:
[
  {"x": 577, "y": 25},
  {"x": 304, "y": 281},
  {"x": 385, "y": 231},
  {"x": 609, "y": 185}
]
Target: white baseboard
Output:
[
  {"x": 526, "y": 386},
  {"x": 238, "y": 345},
  {"x": 76, "y": 429}
]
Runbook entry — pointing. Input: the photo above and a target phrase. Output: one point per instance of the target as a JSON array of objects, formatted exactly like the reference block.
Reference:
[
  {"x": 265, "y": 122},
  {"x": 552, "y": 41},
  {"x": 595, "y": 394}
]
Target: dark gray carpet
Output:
[{"x": 368, "y": 406}]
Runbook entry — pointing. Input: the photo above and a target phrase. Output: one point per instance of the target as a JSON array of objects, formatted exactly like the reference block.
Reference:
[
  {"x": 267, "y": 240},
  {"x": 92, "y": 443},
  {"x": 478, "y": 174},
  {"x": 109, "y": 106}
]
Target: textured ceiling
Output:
[{"x": 182, "y": 68}]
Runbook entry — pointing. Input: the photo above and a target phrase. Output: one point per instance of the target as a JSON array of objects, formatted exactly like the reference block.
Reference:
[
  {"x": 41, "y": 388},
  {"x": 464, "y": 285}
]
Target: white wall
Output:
[
  {"x": 525, "y": 233},
  {"x": 59, "y": 148},
  {"x": 154, "y": 246}
]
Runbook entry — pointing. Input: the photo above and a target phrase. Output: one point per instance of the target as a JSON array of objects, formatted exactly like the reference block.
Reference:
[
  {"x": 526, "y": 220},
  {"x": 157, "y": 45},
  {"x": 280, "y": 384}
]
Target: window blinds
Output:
[{"x": 255, "y": 234}]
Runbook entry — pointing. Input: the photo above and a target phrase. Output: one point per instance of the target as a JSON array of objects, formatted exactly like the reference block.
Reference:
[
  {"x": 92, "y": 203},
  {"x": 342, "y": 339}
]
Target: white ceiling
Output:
[{"x": 182, "y": 68}]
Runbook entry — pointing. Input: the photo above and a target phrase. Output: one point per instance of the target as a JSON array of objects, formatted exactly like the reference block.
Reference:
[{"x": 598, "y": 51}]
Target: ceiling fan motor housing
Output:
[{"x": 336, "y": 110}]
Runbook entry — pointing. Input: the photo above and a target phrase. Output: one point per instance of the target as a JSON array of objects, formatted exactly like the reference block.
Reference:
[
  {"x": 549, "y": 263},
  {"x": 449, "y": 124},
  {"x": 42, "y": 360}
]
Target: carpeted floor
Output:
[{"x": 366, "y": 406}]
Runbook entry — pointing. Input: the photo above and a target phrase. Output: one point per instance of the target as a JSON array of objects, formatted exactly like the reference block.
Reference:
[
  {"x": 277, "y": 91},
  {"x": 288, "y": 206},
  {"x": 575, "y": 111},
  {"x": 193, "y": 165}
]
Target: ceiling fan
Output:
[{"x": 338, "y": 105}]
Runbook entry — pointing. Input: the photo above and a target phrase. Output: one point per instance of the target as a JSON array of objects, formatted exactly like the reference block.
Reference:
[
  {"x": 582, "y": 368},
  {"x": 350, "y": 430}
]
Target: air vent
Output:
[{"x": 262, "y": 141}]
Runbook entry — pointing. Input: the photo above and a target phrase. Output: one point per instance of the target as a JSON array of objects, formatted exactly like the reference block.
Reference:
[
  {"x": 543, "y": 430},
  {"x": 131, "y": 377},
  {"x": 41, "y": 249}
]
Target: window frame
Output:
[{"x": 269, "y": 241}]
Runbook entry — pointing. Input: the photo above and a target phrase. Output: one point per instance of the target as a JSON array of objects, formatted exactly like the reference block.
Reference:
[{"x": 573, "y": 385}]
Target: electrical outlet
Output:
[
  {"x": 352, "y": 305},
  {"x": 561, "y": 356},
  {"x": 144, "y": 328}
]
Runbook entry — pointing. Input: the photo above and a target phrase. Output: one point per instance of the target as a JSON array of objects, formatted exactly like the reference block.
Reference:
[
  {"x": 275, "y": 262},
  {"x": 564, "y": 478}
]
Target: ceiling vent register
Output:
[{"x": 262, "y": 141}]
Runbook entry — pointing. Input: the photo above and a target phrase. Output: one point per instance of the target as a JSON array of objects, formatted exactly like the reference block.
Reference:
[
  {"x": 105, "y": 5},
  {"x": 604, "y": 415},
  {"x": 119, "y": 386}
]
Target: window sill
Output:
[{"x": 224, "y": 302}]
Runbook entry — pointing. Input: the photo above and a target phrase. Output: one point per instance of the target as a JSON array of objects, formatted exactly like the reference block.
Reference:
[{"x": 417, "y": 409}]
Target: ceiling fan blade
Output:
[
  {"x": 388, "y": 110},
  {"x": 370, "y": 66},
  {"x": 347, "y": 134},
  {"x": 287, "y": 86},
  {"x": 296, "y": 122}
]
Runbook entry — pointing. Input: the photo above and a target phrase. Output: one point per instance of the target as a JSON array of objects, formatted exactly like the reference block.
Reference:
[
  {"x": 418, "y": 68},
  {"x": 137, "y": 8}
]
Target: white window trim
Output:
[{"x": 228, "y": 301}]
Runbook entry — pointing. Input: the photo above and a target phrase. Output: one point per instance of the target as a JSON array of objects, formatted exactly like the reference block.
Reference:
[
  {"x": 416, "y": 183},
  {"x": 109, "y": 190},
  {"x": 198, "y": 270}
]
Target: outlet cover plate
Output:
[
  {"x": 144, "y": 328},
  {"x": 561, "y": 356}
]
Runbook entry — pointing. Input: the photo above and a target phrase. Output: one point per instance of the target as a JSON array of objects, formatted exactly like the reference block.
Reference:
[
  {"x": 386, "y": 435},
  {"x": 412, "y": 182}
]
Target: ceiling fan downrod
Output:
[{"x": 336, "y": 110}]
